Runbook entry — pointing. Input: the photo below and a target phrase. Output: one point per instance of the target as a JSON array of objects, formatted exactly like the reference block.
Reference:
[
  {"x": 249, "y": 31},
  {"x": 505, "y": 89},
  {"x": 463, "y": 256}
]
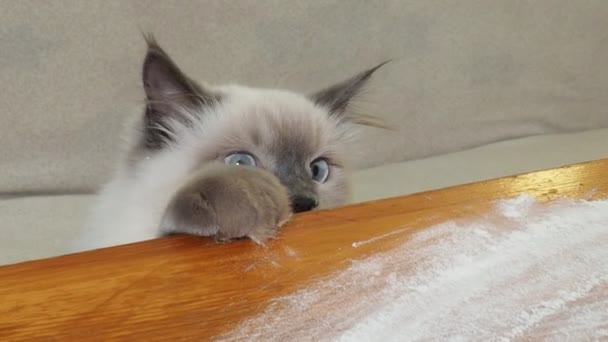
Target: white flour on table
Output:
[{"x": 525, "y": 271}]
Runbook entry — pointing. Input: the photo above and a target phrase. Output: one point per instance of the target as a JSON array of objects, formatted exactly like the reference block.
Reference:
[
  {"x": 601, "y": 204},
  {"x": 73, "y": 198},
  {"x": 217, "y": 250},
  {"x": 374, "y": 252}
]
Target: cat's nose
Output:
[{"x": 300, "y": 204}]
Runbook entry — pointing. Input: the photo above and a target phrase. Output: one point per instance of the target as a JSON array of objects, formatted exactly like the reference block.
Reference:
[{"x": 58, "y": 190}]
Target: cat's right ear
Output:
[{"x": 168, "y": 91}]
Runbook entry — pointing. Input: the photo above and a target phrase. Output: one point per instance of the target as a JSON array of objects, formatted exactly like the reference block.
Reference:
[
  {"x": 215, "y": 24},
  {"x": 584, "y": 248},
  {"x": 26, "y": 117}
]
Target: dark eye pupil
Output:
[{"x": 315, "y": 170}]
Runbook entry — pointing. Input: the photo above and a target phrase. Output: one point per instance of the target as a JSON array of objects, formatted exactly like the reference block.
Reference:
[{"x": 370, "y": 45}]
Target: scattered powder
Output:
[
  {"x": 525, "y": 271},
  {"x": 516, "y": 208},
  {"x": 377, "y": 238},
  {"x": 290, "y": 252}
]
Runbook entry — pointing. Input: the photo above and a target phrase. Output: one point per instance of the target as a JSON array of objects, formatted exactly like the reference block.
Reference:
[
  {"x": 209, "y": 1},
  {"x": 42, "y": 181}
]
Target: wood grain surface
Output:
[{"x": 190, "y": 288}]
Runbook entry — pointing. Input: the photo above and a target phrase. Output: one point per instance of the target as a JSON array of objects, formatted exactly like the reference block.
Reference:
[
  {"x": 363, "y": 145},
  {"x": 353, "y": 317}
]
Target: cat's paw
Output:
[{"x": 228, "y": 202}]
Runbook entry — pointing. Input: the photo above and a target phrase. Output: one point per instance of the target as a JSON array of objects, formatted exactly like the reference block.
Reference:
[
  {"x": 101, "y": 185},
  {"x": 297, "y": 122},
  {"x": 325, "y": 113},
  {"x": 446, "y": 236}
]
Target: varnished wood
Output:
[{"x": 192, "y": 289}]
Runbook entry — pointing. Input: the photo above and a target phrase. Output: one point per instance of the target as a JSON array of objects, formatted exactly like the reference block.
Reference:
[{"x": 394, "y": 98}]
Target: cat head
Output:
[{"x": 302, "y": 139}]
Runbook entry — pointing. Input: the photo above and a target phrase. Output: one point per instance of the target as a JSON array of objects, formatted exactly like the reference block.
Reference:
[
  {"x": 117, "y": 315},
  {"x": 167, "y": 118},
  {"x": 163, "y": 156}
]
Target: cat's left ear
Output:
[{"x": 337, "y": 97}]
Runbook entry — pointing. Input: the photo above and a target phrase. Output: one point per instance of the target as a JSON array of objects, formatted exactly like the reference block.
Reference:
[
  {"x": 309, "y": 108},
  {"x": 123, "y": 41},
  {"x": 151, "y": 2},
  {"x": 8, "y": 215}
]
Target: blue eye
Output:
[
  {"x": 320, "y": 170},
  {"x": 240, "y": 158}
]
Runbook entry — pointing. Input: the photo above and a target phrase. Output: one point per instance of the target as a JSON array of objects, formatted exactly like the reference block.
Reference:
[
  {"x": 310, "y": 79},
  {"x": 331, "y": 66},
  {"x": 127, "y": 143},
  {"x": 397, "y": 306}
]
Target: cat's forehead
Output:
[
  {"x": 272, "y": 104},
  {"x": 279, "y": 121}
]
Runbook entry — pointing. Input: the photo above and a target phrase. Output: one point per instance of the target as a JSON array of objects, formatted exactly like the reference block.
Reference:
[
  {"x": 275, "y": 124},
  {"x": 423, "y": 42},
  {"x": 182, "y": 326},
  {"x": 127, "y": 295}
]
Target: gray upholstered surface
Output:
[
  {"x": 36, "y": 227},
  {"x": 490, "y": 161},
  {"x": 464, "y": 73}
]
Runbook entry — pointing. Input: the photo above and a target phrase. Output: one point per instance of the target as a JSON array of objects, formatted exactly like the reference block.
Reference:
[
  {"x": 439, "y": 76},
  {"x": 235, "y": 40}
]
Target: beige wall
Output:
[{"x": 464, "y": 72}]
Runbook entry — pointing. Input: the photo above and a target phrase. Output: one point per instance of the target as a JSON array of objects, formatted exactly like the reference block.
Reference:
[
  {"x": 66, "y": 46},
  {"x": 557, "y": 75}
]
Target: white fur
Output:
[{"x": 129, "y": 208}]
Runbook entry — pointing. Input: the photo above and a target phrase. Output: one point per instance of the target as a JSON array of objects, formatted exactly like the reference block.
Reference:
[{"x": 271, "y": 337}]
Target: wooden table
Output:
[{"x": 192, "y": 289}]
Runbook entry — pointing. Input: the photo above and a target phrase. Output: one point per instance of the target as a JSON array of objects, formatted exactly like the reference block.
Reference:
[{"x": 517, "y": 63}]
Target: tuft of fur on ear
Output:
[
  {"x": 168, "y": 92},
  {"x": 337, "y": 97}
]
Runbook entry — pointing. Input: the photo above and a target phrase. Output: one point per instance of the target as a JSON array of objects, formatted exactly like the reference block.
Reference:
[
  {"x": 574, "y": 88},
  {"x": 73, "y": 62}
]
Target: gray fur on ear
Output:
[
  {"x": 337, "y": 97},
  {"x": 167, "y": 90}
]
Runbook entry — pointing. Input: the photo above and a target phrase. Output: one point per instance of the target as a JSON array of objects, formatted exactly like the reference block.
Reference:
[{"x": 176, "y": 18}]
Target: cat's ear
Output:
[
  {"x": 168, "y": 91},
  {"x": 337, "y": 97}
]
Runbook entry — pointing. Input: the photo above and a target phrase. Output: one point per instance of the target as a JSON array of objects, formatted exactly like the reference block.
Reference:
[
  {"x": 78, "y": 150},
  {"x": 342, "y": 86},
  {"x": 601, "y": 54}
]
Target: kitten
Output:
[{"x": 226, "y": 162}]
